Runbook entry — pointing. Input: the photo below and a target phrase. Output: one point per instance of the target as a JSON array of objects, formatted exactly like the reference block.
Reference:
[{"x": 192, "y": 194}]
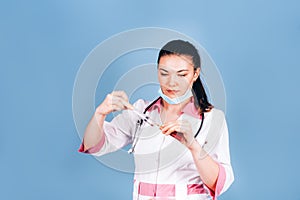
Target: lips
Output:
[{"x": 170, "y": 91}]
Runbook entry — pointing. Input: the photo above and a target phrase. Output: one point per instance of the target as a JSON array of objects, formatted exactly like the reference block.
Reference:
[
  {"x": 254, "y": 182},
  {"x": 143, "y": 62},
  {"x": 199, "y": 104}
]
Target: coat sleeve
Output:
[
  {"x": 218, "y": 149},
  {"x": 117, "y": 133}
]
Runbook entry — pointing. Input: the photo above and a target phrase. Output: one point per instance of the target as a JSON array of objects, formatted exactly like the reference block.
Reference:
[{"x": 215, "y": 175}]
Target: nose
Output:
[{"x": 172, "y": 80}]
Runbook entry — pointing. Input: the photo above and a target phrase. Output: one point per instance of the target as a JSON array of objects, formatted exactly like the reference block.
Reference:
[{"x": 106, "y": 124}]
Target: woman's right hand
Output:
[{"x": 115, "y": 101}]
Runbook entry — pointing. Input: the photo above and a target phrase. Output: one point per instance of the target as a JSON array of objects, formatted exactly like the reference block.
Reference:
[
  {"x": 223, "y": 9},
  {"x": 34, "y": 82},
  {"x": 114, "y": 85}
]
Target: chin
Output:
[{"x": 173, "y": 94}]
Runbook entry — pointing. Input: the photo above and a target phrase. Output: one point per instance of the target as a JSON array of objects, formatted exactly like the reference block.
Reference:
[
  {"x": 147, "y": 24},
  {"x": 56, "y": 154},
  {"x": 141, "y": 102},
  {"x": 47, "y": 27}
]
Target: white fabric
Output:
[{"x": 161, "y": 159}]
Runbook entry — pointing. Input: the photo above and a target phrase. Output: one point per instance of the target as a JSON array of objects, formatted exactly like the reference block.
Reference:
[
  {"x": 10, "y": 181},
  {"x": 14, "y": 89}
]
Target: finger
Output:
[
  {"x": 168, "y": 124},
  {"x": 169, "y": 130},
  {"x": 173, "y": 129},
  {"x": 127, "y": 105},
  {"x": 172, "y": 122},
  {"x": 121, "y": 96},
  {"x": 183, "y": 130},
  {"x": 117, "y": 103},
  {"x": 182, "y": 126},
  {"x": 116, "y": 107},
  {"x": 166, "y": 127}
]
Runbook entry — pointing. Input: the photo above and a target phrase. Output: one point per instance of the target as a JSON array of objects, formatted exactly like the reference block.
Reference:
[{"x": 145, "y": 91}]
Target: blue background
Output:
[{"x": 255, "y": 45}]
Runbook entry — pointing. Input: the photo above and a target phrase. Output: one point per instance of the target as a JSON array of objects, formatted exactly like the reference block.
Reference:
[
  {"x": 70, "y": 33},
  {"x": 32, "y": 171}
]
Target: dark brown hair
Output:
[{"x": 180, "y": 47}]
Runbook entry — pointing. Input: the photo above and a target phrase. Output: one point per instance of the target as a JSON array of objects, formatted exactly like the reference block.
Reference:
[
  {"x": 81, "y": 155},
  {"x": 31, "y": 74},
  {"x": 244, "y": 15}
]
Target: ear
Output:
[{"x": 196, "y": 74}]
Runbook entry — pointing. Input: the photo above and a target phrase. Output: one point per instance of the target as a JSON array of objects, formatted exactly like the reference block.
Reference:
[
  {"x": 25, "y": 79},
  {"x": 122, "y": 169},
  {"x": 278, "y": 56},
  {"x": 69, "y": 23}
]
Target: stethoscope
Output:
[{"x": 145, "y": 118}]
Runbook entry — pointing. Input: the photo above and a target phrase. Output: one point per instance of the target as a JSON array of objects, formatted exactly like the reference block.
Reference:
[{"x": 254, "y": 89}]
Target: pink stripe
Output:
[
  {"x": 190, "y": 109},
  {"x": 220, "y": 182},
  {"x": 93, "y": 149},
  {"x": 157, "y": 105},
  {"x": 162, "y": 190},
  {"x": 167, "y": 190},
  {"x": 195, "y": 189}
]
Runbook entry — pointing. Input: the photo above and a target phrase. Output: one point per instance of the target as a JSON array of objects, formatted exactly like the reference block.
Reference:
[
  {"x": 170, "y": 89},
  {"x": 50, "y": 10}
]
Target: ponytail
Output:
[{"x": 201, "y": 101}]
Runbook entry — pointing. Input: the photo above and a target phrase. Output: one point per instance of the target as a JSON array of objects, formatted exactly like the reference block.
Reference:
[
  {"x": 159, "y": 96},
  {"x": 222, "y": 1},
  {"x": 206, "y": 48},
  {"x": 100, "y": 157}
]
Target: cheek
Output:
[
  {"x": 189, "y": 81},
  {"x": 159, "y": 78},
  {"x": 162, "y": 79}
]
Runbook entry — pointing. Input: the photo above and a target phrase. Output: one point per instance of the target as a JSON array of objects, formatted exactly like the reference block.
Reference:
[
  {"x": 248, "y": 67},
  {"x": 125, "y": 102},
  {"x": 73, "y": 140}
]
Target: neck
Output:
[{"x": 175, "y": 108}]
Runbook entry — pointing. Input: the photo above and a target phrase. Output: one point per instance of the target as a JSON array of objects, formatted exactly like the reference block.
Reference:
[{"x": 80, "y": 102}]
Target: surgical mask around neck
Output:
[{"x": 176, "y": 100}]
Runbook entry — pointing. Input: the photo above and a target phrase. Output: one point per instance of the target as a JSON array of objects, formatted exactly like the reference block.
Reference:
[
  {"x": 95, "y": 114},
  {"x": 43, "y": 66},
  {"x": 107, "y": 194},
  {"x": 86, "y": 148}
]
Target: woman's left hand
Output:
[{"x": 181, "y": 130}]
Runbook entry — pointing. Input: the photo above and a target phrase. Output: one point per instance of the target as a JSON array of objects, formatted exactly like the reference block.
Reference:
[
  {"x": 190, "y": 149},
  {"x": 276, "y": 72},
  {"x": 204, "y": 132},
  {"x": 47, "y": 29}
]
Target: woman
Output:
[{"x": 196, "y": 167}]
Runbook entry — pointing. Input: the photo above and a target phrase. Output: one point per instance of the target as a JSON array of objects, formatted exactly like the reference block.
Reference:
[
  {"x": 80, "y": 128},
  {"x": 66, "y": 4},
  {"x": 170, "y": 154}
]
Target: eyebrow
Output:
[{"x": 182, "y": 70}]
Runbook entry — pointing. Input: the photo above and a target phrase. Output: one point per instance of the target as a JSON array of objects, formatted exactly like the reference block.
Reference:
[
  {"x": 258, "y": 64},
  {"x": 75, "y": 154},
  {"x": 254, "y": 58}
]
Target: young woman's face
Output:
[{"x": 176, "y": 74}]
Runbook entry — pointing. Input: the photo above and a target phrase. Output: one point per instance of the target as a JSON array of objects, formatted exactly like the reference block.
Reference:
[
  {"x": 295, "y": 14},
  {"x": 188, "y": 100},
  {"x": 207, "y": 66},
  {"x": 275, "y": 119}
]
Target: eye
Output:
[
  {"x": 182, "y": 75},
  {"x": 163, "y": 74}
]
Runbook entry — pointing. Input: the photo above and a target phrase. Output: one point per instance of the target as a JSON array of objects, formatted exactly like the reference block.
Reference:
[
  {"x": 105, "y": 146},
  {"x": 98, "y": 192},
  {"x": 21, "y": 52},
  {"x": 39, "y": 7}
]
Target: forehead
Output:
[{"x": 176, "y": 62}]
